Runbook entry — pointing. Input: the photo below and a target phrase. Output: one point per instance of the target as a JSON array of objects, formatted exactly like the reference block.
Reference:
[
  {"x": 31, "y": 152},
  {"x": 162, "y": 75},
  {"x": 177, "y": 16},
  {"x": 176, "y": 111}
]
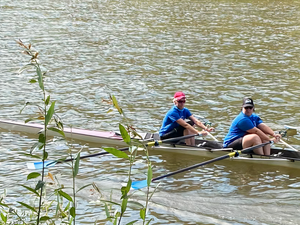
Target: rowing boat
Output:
[{"x": 204, "y": 148}]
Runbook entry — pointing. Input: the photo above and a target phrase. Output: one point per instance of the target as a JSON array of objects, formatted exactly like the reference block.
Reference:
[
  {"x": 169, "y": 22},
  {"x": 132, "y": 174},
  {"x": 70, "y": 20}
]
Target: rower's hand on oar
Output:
[
  {"x": 210, "y": 129},
  {"x": 276, "y": 138},
  {"x": 203, "y": 133}
]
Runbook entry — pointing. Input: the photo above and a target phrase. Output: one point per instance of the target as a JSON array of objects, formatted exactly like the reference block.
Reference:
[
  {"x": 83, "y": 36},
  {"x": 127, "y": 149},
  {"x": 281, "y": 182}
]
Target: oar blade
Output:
[
  {"x": 290, "y": 131},
  {"x": 139, "y": 184},
  {"x": 39, "y": 165}
]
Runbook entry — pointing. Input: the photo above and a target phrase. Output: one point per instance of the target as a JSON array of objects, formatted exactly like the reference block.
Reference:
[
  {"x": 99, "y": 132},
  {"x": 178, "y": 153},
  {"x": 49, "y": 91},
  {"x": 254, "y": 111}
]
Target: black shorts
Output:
[
  {"x": 176, "y": 132},
  {"x": 236, "y": 144}
]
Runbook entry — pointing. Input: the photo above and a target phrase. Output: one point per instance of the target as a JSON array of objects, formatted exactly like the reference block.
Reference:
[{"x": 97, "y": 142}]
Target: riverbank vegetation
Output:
[{"x": 47, "y": 200}]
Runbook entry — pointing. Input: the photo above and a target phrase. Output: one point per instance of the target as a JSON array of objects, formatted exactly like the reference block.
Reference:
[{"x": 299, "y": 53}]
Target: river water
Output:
[{"x": 216, "y": 52}]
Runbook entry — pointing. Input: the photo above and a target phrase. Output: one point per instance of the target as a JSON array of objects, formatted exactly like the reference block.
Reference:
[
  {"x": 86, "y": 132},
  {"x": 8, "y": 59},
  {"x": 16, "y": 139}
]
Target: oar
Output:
[
  {"x": 283, "y": 142},
  {"x": 290, "y": 131},
  {"x": 50, "y": 163},
  {"x": 158, "y": 142},
  {"x": 141, "y": 184},
  {"x": 212, "y": 136}
]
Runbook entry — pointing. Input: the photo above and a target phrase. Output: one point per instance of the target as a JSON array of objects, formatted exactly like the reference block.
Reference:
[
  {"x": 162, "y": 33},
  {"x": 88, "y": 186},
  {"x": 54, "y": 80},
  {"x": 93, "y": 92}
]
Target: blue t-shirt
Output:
[
  {"x": 174, "y": 114},
  {"x": 239, "y": 127}
]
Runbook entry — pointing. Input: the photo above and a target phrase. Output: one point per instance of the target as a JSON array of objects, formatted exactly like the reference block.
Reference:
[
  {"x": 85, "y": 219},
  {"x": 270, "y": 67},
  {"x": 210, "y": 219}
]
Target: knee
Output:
[
  {"x": 257, "y": 139},
  {"x": 253, "y": 138},
  {"x": 186, "y": 132}
]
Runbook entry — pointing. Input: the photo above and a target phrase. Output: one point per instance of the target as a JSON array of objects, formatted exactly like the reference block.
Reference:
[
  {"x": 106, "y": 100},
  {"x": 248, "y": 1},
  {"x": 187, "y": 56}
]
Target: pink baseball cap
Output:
[{"x": 179, "y": 95}]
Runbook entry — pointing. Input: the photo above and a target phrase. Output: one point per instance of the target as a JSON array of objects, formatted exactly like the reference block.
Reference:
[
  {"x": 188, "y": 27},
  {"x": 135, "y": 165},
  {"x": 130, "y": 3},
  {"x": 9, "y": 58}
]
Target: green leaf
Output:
[
  {"x": 49, "y": 114},
  {"x": 4, "y": 218},
  {"x": 33, "y": 175},
  {"x": 67, "y": 207},
  {"x": 110, "y": 110},
  {"x": 76, "y": 167},
  {"x": 129, "y": 185},
  {"x": 65, "y": 195},
  {"x": 153, "y": 192},
  {"x": 27, "y": 206},
  {"x": 83, "y": 187},
  {"x": 39, "y": 185},
  {"x": 60, "y": 125},
  {"x": 26, "y": 67},
  {"x": 72, "y": 212},
  {"x": 41, "y": 145},
  {"x": 132, "y": 149},
  {"x": 132, "y": 222},
  {"x": 3, "y": 204},
  {"x": 57, "y": 131},
  {"x": 96, "y": 188},
  {"x": 45, "y": 155},
  {"x": 21, "y": 110},
  {"x": 32, "y": 81},
  {"x": 149, "y": 221},
  {"x": 116, "y": 219},
  {"x": 45, "y": 218},
  {"x": 126, "y": 189},
  {"x": 30, "y": 155},
  {"x": 143, "y": 213},
  {"x": 40, "y": 77},
  {"x": 116, "y": 152},
  {"x": 124, "y": 192},
  {"x": 63, "y": 214},
  {"x": 124, "y": 205},
  {"x": 36, "y": 146},
  {"x": 107, "y": 212},
  {"x": 42, "y": 138},
  {"x": 114, "y": 203},
  {"x": 116, "y": 105},
  {"x": 136, "y": 204},
  {"x": 124, "y": 134},
  {"x": 28, "y": 120},
  {"x": 47, "y": 100},
  {"x": 149, "y": 175}
]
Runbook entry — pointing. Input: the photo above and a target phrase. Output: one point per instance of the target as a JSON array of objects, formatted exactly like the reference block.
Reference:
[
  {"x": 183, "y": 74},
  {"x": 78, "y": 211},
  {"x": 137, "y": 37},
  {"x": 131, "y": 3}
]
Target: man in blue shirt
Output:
[
  {"x": 247, "y": 130},
  {"x": 174, "y": 124}
]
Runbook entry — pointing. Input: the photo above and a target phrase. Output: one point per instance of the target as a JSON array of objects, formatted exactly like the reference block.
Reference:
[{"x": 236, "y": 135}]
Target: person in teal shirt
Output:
[
  {"x": 247, "y": 130},
  {"x": 174, "y": 124}
]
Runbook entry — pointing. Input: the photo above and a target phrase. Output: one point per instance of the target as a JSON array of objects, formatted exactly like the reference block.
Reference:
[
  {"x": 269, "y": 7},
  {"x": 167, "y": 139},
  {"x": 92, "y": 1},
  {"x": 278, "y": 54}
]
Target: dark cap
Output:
[{"x": 248, "y": 102}]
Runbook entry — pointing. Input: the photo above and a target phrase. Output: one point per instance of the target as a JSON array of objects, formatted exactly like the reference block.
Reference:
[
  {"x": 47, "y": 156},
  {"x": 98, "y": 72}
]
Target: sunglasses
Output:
[
  {"x": 182, "y": 101},
  {"x": 248, "y": 107}
]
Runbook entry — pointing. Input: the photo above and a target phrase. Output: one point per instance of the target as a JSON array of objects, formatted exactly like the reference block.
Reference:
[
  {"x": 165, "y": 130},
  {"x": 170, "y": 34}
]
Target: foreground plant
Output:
[
  {"x": 58, "y": 205},
  {"x": 127, "y": 132},
  {"x": 52, "y": 122}
]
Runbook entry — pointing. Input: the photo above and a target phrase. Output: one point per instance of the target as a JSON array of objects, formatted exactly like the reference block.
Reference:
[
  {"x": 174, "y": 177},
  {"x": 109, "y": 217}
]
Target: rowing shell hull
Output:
[
  {"x": 88, "y": 136},
  {"x": 111, "y": 138},
  {"x": 205, "y": 154}
]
